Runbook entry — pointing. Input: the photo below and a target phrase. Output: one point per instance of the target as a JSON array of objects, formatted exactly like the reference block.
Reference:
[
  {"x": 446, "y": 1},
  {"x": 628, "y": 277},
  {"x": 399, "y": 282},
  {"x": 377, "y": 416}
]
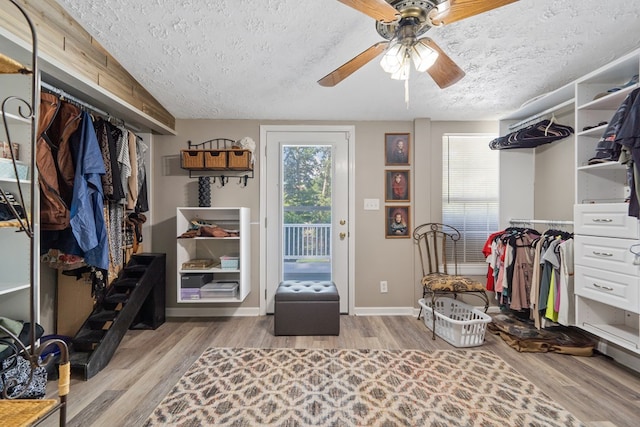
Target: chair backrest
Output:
[{"x": 433, "y": 239}]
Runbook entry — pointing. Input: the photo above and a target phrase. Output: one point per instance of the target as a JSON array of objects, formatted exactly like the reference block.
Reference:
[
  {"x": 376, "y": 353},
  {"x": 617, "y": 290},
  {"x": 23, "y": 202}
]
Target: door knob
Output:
[
  {"x": 342, "y": 236},
  {"x": 343, "y": 222}
]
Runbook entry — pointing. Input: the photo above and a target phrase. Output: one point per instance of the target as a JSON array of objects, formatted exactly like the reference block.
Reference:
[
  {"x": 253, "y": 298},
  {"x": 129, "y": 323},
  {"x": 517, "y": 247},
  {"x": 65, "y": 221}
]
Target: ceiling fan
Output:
[{"x": 401, "y": 22}]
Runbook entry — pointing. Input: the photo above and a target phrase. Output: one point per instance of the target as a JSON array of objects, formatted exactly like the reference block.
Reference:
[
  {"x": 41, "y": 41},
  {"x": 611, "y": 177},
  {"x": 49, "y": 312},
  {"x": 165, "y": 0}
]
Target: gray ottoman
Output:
[{"x": 307, "y": 308}]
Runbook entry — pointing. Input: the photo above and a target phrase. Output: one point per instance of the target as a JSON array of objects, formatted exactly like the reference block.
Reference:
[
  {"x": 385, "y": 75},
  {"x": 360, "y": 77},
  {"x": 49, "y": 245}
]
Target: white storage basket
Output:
[{"x": 457, "y": 323}]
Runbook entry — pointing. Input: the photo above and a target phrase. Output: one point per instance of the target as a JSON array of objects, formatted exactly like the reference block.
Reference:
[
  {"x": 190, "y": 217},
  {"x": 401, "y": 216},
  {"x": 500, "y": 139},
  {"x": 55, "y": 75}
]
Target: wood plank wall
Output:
[{"x": 61, "y": 37}]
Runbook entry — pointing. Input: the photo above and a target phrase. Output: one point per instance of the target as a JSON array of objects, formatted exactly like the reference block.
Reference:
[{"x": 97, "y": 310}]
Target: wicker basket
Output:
[
  {"x": 18, "y": 412},
  {"x": 239, "y": 159},
  {"x": 457, "y": 323},
  {"x": 192, "y": 159},
  {"x": 215, "y": 159}
]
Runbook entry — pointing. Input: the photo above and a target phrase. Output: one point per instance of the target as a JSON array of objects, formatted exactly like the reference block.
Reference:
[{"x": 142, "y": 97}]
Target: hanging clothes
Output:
[
  {"x": 142, "y": 201},
  {"x": 57, "y": 122},
  {"x": 87, "y": 218},
  {"x": 629, "y": 139},
  {"x": 132, "y": 179},
  {"x": 111, "y": 181}
]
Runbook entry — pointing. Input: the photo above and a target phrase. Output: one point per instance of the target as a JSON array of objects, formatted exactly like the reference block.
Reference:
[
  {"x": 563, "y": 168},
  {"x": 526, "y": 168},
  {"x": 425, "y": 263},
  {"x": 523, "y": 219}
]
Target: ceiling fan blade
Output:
[
  {"x": 379, "y": 10},
  {"x": 345, "y": 70},
  {"x": 461, "y": 9},
  {"x": 444, "y": 71}
]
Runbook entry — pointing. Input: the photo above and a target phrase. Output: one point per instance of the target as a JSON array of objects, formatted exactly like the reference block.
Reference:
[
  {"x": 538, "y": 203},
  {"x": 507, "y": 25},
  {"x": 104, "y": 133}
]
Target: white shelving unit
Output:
[
  {"x": 214, "y": 248},
  {"x": 607, "y": 282},
  {"x": 15, "y": 249},
  {"x": 518, "y": 193}
]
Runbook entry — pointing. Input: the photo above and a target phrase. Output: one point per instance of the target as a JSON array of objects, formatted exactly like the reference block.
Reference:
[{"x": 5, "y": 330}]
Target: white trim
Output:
[
  {"x": 264, "y": 130},
  {"x": 385, "y": 311},
  {"x": 211, "y": 312},
  {"x": 621, "y": 355}
]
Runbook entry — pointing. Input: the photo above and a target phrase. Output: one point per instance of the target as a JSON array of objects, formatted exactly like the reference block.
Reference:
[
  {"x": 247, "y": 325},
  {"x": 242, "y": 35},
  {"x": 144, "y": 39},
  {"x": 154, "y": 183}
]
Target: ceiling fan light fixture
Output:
[
  {"x": 403, "y": 72},
  {"x": 423, "y": 56},
  {"x": 394, "y": 58}
]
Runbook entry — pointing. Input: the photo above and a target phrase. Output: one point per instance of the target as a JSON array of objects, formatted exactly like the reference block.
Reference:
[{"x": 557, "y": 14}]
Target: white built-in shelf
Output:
[
  {"x": 608, "y": 102},
  {"x": 7, "y": 288}
]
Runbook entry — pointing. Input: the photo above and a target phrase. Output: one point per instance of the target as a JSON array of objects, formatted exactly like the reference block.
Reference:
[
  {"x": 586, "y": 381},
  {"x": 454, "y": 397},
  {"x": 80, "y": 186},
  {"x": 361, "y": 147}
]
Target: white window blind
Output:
[{"x": 470, "y": 196}]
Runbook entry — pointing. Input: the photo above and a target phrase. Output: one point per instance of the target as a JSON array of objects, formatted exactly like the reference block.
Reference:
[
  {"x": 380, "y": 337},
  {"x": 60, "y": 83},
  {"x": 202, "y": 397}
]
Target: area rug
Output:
[{"x": 310, "y": 387}]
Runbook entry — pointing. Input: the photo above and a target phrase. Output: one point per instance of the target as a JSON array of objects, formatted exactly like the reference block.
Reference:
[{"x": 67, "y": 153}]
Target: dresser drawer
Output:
[
  {"x": 615, "y": 289},
  {"x": 606, "y": 220},
  {"x": 605, "y": 253}
]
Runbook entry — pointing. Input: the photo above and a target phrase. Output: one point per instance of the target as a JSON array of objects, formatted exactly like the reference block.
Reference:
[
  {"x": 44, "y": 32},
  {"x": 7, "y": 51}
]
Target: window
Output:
[{"x": 470, "y": 195}]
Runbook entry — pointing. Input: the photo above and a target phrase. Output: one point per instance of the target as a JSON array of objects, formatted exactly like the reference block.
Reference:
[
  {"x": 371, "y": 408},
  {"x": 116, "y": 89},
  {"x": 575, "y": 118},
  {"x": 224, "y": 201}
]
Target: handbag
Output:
[{"x": 15, "y": 375}]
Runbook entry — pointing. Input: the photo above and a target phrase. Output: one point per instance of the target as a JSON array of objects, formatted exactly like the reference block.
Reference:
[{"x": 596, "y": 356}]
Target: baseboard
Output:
[
  {"x": 621, "y": 355},
  {"x": 254, "y": 311},
  {"x": 211, "y": 311},
  {"x": 384, "y": 311}
]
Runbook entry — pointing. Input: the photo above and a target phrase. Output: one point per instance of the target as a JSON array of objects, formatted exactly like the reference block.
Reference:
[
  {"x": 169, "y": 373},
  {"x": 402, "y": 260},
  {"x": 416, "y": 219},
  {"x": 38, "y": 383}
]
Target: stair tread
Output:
[
  {"x": 116, "y": 297},
  {"x": 129, "y": 282},
  {"x": 89, "y": 336},
  {"x": 103, "y": 316}
]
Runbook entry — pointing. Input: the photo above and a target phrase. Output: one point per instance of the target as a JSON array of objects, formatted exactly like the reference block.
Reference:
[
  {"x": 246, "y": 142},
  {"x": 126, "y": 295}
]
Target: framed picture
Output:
[
  {"x": 397, "y": 222},
  {"x": 397, "y": 185},
  {"x": 396, "y": 149}
]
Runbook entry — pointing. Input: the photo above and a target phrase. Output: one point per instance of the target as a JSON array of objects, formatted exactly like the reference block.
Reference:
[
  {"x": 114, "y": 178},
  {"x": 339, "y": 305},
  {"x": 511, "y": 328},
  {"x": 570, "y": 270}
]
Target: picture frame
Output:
[
  {"x": 397, "y": 149},
  {"x": 397, "y": 222},
  {"x": 397, "y": 185}
]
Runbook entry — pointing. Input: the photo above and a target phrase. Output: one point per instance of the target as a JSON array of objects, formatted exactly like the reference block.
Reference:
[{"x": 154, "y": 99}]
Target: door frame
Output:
[{"x": 351, "y": 140}]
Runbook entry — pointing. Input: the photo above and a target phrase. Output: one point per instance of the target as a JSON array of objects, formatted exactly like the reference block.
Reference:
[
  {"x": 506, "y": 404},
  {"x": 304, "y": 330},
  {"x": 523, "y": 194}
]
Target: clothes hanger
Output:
[{"x": 551, "y": 121}]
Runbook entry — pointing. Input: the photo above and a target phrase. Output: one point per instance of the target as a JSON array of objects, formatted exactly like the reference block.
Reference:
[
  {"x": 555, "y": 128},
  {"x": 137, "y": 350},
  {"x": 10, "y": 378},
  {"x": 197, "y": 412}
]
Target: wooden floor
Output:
[{"x": 148, "y": 363}]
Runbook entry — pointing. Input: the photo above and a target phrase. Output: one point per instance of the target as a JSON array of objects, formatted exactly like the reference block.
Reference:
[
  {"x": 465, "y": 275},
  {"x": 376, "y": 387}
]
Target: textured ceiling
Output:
[{"x": 261, "y": 59}]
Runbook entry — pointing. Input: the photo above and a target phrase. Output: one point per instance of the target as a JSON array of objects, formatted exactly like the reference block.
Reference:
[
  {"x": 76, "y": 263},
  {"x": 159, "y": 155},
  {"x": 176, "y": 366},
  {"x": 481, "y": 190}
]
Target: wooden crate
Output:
[
  {"x": 192, "y": 159},
  {"x": 239, "y": 159},
  {"x": 215, "y": 159}
]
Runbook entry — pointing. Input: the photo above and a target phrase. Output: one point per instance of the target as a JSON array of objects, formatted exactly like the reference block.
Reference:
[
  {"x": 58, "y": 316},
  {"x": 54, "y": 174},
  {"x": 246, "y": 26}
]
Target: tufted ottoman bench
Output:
[{"x": 307, "y": 308}]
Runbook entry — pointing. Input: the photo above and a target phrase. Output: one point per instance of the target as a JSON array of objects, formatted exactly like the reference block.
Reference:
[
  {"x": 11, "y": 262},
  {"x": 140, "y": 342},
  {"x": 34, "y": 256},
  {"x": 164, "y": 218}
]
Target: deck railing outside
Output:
[{"x": 307, "y": 241}]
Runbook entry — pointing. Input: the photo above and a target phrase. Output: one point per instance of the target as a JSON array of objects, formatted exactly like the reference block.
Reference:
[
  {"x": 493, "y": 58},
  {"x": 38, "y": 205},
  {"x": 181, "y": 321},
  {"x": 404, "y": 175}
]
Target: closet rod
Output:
[
  {"x": 75, "y": 100},
  {"x": 546, "y": 112},
  {"x": 539, "y": 221}
]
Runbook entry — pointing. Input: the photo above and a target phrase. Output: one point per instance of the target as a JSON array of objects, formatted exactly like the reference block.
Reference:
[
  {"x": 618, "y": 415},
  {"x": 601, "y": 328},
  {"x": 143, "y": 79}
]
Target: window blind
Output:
[{"x": 470, "y": 195}]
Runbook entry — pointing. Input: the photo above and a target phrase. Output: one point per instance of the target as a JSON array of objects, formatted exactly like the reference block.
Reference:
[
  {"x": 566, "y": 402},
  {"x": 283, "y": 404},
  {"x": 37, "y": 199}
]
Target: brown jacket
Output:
[{"x": 58, "y": 120}]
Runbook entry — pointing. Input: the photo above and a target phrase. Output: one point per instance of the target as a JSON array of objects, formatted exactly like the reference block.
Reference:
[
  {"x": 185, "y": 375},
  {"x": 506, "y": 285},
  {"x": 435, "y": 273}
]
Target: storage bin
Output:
[
  {"x": 197, "y": 264},
  {"x": 195, "y": 280},
  {"x": 215, "y": 159},
  {"x": 457, "y": 323},
  {"x": 229, "y": 262},
  {"x": 7, "y": 172},
  {"x": 189, "y": 293},
  {"x": 192, "y": 159},
  {"x": 239, "y": 159},
  {"x": 220, "y": 289}
]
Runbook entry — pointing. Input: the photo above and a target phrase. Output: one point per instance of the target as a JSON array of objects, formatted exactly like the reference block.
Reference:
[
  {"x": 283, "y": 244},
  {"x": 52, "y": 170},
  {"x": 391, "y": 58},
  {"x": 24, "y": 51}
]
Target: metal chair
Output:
[{"x": 434, "y": 242}]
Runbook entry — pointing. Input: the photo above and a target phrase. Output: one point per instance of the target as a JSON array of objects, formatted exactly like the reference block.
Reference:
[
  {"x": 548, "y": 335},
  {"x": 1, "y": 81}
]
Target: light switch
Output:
[{"x": 371, "y": 204}]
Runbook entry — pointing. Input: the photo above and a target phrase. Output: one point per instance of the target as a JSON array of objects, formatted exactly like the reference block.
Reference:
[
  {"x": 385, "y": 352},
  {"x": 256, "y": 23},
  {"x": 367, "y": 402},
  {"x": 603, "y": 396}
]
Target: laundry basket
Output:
[{"x": 457, "y": 323}]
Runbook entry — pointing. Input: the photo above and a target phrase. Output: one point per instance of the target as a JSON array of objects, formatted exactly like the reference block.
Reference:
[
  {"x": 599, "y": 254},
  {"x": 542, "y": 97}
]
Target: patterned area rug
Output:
[{"x": 304, "y": 387}]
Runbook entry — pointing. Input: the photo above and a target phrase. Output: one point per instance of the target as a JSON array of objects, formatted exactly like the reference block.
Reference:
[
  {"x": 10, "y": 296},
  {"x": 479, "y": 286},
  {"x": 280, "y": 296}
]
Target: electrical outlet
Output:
[{"x": 383, "y": 287}]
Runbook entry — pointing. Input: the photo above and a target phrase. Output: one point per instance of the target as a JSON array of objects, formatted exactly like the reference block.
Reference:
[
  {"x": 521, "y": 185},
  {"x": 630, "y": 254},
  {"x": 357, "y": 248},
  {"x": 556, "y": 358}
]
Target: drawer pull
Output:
[
  {"x": 605, "y": 254},
  {"x": 606, "y": 288},
  {"x": 602, "y": 220}
]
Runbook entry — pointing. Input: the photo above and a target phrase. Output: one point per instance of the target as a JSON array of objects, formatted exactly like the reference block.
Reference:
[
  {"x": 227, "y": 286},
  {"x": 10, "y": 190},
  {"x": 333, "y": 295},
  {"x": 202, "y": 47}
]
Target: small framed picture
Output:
[
  {"x": 397, "y": 222},
  {"x": 396, "y": 149},
  {"x": 397, "y": 185}
]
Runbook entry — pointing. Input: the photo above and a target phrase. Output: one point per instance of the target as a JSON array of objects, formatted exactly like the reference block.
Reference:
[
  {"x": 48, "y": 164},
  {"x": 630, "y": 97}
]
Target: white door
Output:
[{"x": 305, "y": 199}]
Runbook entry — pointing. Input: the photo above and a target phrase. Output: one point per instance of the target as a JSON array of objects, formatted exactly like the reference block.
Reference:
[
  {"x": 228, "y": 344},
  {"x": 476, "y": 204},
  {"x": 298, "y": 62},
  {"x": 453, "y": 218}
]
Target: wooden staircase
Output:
[{"x": 134, "y": 300}]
